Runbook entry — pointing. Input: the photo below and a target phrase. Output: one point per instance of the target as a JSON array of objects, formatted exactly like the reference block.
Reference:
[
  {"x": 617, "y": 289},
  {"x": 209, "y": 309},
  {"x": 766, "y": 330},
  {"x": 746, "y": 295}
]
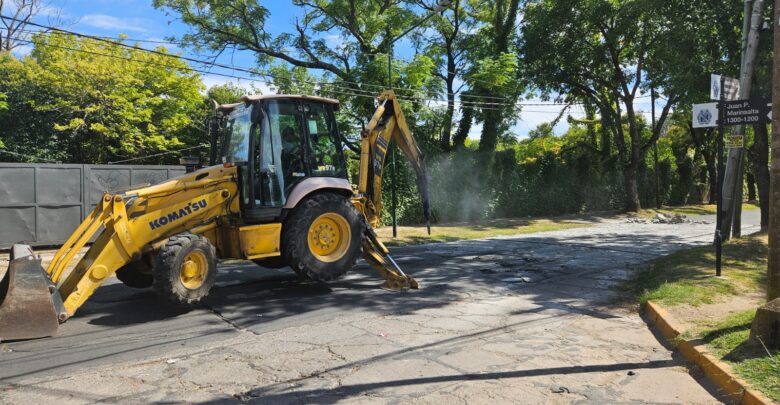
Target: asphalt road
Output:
[{"x": 577, "y": 272}]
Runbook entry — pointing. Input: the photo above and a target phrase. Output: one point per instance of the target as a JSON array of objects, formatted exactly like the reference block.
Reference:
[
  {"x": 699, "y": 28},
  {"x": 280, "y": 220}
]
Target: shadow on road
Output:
[
  {"x": 552, "y": 272},
  {"x": 331, "y": 396}
]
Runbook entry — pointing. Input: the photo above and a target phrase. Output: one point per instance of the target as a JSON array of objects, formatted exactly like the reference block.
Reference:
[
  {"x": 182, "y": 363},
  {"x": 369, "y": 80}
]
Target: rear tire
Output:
[
  {"x": 322, "y": 237},
  {"x": 137, "y": 274},
  {"x": 185, "y": 268}
]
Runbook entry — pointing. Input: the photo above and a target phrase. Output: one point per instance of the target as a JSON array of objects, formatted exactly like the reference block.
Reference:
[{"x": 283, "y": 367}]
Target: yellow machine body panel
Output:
[
  {"x": 134, "y": 221},
  {"x": 260, "y": 241}
]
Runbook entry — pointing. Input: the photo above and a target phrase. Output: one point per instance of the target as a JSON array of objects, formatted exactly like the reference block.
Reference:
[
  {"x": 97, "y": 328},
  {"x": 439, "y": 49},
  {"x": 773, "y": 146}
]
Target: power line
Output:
[
  {"x": 335, "y": 88},
  {"x": 110, "y": 40},
  {"x": 351, "y": 93}
]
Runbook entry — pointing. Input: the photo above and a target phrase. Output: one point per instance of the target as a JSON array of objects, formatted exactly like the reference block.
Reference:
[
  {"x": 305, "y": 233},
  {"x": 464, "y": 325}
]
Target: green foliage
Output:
[
  {"x": 293, "y": 80},
  {"x": 226, "y": 93},
  {"x": 79, "y": 100},
  {"x": 3, "y": 107}
]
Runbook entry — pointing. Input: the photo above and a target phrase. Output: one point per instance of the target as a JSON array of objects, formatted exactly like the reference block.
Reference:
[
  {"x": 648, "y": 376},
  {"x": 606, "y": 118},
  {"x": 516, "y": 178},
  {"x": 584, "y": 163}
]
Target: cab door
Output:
[{"x": 279, "y": 157}]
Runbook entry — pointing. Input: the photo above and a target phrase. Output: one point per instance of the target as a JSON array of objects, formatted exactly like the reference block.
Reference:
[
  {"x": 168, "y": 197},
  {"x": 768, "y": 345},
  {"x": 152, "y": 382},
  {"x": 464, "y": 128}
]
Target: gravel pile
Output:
[{"x": 672, "y": 219}]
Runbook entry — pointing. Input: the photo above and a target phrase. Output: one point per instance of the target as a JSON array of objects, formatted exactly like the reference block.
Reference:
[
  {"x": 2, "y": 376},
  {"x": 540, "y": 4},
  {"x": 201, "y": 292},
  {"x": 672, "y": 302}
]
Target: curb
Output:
[{"x": 718, "y": 372}]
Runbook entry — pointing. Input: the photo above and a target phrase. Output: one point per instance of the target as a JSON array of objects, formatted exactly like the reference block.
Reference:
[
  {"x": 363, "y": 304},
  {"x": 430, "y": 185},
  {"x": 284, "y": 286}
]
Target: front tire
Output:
[
  {"x": 185, "y": 268},
  {"x": 322, "y": 237}
]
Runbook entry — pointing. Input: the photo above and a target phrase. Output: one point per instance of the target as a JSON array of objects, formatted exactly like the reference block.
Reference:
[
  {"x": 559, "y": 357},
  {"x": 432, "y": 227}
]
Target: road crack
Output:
[{"x": 228, "y": 320}]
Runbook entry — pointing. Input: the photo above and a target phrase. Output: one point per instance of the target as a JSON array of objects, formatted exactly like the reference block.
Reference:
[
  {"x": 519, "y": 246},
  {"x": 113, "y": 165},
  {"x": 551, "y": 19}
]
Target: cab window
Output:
[
  {"x": 286, "y": 130},
  {"x": 325, "y": 157}
]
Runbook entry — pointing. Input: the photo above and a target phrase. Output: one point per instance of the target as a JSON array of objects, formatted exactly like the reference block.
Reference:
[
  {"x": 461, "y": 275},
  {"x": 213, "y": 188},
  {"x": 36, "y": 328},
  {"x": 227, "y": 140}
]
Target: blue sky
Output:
[{"x": 138, "y": 19}]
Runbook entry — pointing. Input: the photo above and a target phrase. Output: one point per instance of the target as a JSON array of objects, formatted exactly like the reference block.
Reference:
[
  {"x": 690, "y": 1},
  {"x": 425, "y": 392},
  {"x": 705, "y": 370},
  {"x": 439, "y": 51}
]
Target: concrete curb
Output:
[{"x": 718, "y": 372}]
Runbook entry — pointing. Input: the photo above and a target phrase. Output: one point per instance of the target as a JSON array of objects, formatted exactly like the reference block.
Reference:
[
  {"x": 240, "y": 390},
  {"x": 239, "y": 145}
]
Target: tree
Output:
[
  {"x": 88, "y": 101},
  {"x": 493, "y": 70},
  {"x": 448, "y": 48},
  {"x": 295, "y": 80},
  {"x": 365, "y": 28},
  {"x": 354, "y": 70},
  {"x": 226, "y": 93},
  {"x": 773, "y": 265},
  {"x": 19, "y": 13},
  {"x": 602, "y": 53}
]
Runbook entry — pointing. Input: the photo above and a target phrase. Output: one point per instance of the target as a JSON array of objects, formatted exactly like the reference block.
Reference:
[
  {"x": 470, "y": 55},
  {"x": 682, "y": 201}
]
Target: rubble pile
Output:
[{"x": 671, "y": 219}]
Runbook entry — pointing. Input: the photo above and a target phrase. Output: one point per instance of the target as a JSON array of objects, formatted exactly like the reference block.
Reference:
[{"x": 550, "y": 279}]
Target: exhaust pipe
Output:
[{"x": 30, "y": 304}]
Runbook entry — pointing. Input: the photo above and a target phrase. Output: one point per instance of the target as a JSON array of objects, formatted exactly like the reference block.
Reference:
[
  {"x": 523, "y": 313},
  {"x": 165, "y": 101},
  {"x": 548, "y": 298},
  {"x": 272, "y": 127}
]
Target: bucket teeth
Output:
[{"x": 30, "y": 305}]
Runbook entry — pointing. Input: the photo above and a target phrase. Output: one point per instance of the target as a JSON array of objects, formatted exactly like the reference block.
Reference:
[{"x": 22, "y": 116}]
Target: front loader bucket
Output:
[{"x": 29, "y": 301}]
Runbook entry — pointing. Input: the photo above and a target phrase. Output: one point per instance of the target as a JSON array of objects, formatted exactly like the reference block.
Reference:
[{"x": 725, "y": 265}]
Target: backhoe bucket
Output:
[{"x": 29, "y": 301}]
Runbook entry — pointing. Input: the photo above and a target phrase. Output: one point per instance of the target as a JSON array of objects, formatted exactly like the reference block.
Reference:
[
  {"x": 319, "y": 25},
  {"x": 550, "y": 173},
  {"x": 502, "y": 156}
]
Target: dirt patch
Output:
[{"x": 691, "y": 317}]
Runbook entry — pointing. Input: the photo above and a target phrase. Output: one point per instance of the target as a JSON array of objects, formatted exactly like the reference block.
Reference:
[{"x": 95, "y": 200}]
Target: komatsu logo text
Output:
[{"x": 177, "y": 215}]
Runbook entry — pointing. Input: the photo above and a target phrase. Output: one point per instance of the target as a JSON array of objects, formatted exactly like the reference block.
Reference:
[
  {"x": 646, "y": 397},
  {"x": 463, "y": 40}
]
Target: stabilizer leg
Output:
[{"x": 378, "y": 256}]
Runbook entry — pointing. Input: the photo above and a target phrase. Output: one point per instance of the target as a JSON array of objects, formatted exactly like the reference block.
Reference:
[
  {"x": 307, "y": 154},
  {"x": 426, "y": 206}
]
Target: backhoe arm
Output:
[{"x": 387, "y": 124}]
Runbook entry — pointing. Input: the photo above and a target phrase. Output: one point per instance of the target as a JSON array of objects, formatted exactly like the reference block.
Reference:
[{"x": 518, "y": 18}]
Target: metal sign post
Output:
[{"x": 721, "y": 130}]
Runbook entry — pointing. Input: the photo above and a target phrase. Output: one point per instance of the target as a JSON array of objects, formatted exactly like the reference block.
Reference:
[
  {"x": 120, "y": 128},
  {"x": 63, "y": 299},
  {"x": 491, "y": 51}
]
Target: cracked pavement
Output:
[{"x": 539, "y": 318}]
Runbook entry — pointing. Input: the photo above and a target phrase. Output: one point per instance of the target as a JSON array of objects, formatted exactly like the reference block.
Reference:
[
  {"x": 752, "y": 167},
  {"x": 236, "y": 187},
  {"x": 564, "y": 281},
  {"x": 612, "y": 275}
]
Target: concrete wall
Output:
[{"x": 41, "y": 204}]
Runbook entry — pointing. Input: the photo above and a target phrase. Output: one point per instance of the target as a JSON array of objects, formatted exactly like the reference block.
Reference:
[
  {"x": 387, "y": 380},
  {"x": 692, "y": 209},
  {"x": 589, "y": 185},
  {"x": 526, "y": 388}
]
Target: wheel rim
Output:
[
  {"x": 193, "y": 270},
  {"x": 329, "y": 237}
]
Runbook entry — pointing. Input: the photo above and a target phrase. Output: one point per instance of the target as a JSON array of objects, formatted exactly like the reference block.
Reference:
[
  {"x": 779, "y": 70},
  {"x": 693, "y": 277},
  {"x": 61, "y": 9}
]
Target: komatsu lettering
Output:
[{"x": 177, "y": 215}]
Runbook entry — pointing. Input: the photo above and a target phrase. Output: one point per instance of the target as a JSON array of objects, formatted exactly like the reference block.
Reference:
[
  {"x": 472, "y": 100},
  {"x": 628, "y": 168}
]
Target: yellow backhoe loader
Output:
[{"x": 280, "y": 197}]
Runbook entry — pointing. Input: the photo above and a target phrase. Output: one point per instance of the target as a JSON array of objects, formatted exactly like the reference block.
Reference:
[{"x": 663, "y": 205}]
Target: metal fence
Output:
[{"x": 41, "y": 204}]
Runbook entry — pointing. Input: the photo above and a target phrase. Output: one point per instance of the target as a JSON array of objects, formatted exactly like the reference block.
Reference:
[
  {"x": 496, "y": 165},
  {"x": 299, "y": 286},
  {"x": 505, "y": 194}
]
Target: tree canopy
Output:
[
  {"x": 80, "y": 100},
  {"x": 472, "y": 69}
]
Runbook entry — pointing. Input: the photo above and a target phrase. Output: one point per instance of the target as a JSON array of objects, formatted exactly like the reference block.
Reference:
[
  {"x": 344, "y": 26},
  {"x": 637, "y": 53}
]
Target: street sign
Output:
[
  {"x": 747, "y": 112},
  {"x": 735, "y": 142},
  {"x": 731, "y": 88},
  {"x": 705, "y": 115}
]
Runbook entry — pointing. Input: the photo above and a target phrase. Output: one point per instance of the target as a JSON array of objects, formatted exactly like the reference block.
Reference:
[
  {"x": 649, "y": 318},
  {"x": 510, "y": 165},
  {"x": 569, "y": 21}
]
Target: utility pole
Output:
[
  {"x": 719, "y": 212},
  {"x": 737, "y": 230},
  {"x": 393, "y": 196},
  {"x": 655, "y": 151},
  {"x": 732, "y": 181},
  {"x": 773, "y": 269}
]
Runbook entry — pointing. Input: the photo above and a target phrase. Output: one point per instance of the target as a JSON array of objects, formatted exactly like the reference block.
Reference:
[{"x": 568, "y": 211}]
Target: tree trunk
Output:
[
  {"x": 751, "y": 186},
  {"x": 447, "y": 126},
  {"x": 709, "y": 160},
  {"x": 606, "y": 143},
  {"x": 760, "y": 162},
  {"x": 446, "y": 131},
  {"x": 489, "y": 139},
  {"x": 464, "y": 127},
  {"x": 631, "y": 187},
  {"x": 773, "y": 266}
]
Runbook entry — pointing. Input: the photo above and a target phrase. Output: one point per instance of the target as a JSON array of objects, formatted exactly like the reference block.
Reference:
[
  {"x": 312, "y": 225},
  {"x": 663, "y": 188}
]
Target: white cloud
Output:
[{"x": 112, "y": 23}]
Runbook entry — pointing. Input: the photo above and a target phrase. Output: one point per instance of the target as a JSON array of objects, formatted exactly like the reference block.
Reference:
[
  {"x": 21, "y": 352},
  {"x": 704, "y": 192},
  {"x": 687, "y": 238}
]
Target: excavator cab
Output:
[{"x": 278, "y": 143}]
